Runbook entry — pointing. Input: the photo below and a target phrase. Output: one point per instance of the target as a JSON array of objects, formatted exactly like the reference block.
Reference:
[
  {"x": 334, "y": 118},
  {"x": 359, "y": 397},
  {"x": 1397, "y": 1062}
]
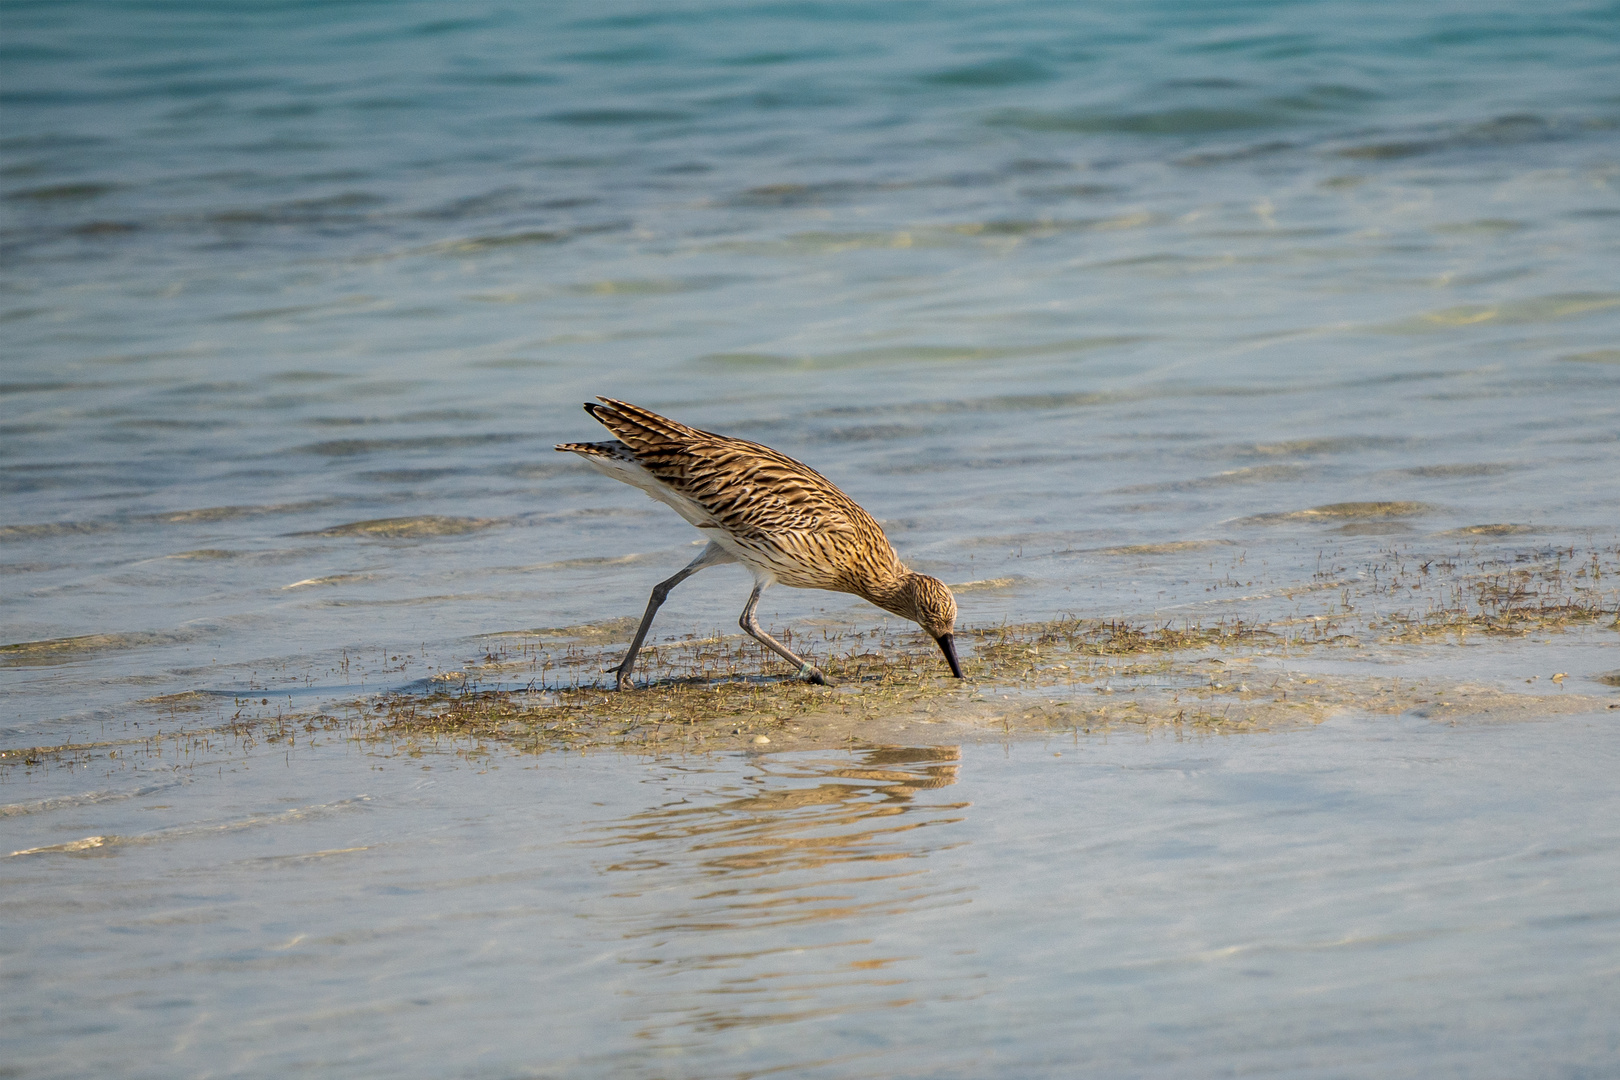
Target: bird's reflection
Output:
[
  {"x": 782, "y": 892},
  {"x": 797, "y": 816}
]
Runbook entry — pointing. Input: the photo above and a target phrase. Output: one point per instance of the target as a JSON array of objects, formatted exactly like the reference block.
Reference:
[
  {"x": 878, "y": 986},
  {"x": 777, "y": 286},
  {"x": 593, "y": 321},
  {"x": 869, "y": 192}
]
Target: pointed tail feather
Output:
[
  {"x": 641, "y": 428},
  {"x": 595, "y": 449}
]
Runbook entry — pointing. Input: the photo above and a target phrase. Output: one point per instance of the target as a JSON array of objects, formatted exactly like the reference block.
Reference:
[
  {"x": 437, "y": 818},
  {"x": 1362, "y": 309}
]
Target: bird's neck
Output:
[{"x": 889, "y": 591}]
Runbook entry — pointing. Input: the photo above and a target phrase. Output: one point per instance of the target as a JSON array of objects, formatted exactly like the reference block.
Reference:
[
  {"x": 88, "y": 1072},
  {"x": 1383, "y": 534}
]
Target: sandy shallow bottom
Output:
[{"x": 1411, "y": 873}]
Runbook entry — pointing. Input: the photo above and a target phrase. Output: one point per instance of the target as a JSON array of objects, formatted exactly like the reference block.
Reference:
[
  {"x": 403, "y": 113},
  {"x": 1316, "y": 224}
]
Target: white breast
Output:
[{"x": 633, "y": 474}]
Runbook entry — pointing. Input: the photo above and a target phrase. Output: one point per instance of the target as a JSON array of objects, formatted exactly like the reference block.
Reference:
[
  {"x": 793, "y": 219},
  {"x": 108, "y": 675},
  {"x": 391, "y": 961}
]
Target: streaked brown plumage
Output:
[{"x": 781, "y": 519}]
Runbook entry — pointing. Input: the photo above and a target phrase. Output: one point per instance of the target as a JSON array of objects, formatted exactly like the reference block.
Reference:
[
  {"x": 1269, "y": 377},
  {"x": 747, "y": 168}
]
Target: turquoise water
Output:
[{"x": 1034, "y": 282}]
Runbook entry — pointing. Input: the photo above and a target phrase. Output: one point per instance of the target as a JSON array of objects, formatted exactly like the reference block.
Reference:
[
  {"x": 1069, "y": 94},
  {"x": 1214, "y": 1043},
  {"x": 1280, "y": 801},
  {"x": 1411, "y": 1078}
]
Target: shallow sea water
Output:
[
  {"x": 1085, "y": 302},
  {"x": 1364, "y": 898}
]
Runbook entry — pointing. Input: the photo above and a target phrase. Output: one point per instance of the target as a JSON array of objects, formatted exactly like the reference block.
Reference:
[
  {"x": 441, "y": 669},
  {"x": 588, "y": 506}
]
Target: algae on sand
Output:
[{"x": 543, "y": 690}]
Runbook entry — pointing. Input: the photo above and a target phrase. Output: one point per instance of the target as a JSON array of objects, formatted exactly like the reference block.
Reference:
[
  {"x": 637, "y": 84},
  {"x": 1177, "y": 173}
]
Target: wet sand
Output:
[{"x": 1516, "y": 636}]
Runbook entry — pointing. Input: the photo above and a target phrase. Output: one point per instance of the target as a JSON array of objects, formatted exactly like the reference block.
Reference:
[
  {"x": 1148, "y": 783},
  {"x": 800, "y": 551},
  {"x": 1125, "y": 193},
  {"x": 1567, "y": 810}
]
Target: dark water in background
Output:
[{"x": 1033, "y": 282}]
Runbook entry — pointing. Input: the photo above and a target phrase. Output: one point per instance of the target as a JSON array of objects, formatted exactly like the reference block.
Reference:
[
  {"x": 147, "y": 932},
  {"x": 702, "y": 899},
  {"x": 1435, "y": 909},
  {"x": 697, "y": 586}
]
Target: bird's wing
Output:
[{"x": 751, "y": 491}]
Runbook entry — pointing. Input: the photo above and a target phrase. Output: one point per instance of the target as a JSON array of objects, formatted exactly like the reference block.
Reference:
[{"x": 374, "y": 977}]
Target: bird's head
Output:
[{"x": 928, "y": 602}]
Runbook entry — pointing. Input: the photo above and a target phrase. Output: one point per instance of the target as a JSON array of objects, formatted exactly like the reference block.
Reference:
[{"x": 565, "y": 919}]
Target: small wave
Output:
[
  {"x": 1481, "y": 226},
  {"x": 1374, "y": 528},
  {"x": 606, "y": 632},
  {"x": 189, "y": 700},
  {"x": 911, "y": 354},
  {"x": 221, "y": 554},
  {"x": 1502, "y": 131},
  {"x": 1072, "y": 191},
  {"x": 268, "y": 314},
  {"x": 1307, "y": 447},
  {"x": 590, "y": 561},
  {"x": 616, "y": 117},
  {"x": 330, "y": 579},
  {"x": 435, "y": 600},
  {"x": 482, "y": 243},
  {"x": 231, "y": 513},
  {"x": 999, "y": 232},
  {"x": 348, "y": 207},
  {"x": 872, "y": 433},
  {"x": 51, "y": 651},
  {"x": 1454, "y": 472},
  {"x": 407, "y": 476},
  {"x": 1180, "y": 121},
  {"x": 1343, "y": 512},
  {"x": 18, "y": 315},
  {"x": 1009, "y": 71},
  {"x": 1504, "y": 529},
  {"x": 1254, "y": 474},
  {"x": 511, "y": 363},
  {"x": 650, "y": 286},
  {"x": 74, "y": 847},
  {"x": 1173, "y": 547},
  {"x": 796, "y": 194},
  {"x": 49, "y": 529},
  {"x": 91, "y": 844},
  {"x": 1535, "y": 309},
  {"x": 409, "y": 527},
  {"x": 989, "y": 584},
  {"x": 422, "y": 416},
  {"x": 63, "y": 192},
  {"x": 305, "y": 857},
  {"x": 1242, "y": 153},
  {"x": 354, "y": 447},
  {"x": 1071, "y": 400},
  {"x": 88, "y": 798},
  {"x": 1166, "y": 264},
  {"x": 105, "y": 228}
]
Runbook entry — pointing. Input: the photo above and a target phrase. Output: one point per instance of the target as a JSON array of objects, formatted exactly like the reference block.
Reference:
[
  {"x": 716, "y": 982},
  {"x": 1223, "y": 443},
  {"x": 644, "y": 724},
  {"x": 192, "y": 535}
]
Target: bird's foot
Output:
[
  {"x": 622, "y": 681},
  {"x": 813, "y": 675}
]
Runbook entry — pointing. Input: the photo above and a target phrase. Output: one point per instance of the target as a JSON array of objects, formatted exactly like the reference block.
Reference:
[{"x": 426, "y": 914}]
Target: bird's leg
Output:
[
  {"x": 711, "y": 555},
  {"x": 807, "y": 671}
]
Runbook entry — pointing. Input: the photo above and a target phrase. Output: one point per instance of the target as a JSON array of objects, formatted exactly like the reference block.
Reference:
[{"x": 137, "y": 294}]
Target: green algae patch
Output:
[
  {"x": 68, "y": 649},
  {"x": 409, "y": 528},
  {"x": 185, "y": 701},
  {"x": 605, "y": 632},
  {"x": 1345, "y": 511},
  {"x": 1174, "y": 547},
  {"x": 1502, "y": 529}
]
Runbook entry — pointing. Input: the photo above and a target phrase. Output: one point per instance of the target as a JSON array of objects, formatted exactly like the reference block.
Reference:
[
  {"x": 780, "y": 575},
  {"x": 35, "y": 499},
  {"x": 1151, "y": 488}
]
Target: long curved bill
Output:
[{"x": 947, "y": 645}]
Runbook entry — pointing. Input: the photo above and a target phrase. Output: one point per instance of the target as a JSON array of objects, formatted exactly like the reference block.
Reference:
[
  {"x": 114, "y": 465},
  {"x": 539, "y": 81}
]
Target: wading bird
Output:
[{"x": 781, "y": 519}]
